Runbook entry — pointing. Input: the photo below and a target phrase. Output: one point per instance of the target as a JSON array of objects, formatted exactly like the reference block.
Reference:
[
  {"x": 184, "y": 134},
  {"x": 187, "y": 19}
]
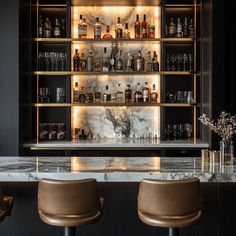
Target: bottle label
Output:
[
  {"x": 97, "y": 31},
  {"x": 119, "y": 65},
  {"x": 82, "y": 30},
  {"x": 139, "y": 65},
  {"x": 138, "y": 97},
  {"x": 57, "y": 31},
  {"x": 145, "y": 96},
  {"x": 40, "y": 31},
  {"x": 47, "y": 33},
  {"x": 119, "y": 33},
  {"x": 153, "y": 97},
  {"x": 171, "y": 30}
]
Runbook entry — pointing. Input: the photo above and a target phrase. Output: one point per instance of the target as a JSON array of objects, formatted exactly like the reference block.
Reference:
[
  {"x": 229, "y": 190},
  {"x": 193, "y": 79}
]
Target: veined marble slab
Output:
[{"x": 112, "y": 169}]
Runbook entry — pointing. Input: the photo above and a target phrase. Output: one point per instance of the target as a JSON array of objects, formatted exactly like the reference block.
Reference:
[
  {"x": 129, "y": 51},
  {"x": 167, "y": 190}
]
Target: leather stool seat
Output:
[
  {"x": 173, "y": 204},
  {"x": 6, "y": 203}
]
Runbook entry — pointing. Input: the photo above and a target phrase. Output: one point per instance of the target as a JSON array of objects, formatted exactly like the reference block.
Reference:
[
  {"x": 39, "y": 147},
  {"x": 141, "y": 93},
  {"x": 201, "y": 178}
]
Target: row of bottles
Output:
[
  {"x": 47, "y": 30},
  {"x": 113, "y": 62},
  {"x": 141, "y": 29},
  {"x": 141, "y": 94}
]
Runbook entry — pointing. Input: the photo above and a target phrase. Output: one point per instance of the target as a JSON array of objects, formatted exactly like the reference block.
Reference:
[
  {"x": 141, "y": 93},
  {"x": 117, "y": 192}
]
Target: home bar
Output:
[{"x": 117, "y": 117}]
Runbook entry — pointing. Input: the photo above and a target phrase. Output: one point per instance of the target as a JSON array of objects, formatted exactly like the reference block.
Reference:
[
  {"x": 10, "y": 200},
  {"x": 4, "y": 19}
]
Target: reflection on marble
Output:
[{"x": 112, "y": 169}]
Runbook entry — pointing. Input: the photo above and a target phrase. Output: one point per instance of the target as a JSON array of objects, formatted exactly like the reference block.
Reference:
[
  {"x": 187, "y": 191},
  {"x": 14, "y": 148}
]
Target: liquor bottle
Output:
[
  {"x": 119, "y": 94},
  {"x": 130, "y": 63},
  {"x": 149, "y": 65},
  {"x": 97, "y": 29},
  {"x": 76, "y": 93},
  {"x": 153, "y": 94},
  {"x": 105, "y": 61},
  {"x": 185, "y": 26},
  {"x": 106, "y": 95},
  {"x": 82, "y": 136},
  {"x": 82, "y": 96},
  {"x": 119, "y": 62},
  {"x": 82, "y": 28},
  {"x": 155, "y": 62},
  {"x": 146, "y": 93},
  {"x": 83, "y": 62},
  {"x": 76, "y": 61},
  {"x": 138, "y": 97},
  {"x": 144, "y": 27},
  {"x": 89, "y": 95},
  {"x": 98, "y": 95},
  {"x": 107, "y": 35},
  {"x": 191, "y": 29},
  {"x": 113, "y": 96},
  {"x": 63, "y": 28},
  {"x": 172, "y": 28},
  {"x": 126, "y": 31},
  {"x": 47, "y": 28},
  {"x": 57, "y": 29},
  {"x": 179, "y": 30},
  {"x": 90, "y": 61},
  {"x": 128, "y": 94},
  {"x": 40, "y": 27},
  {"x": 140, "y": 62},
  {"x": 137, "y": 28},
  {"x": 119, "y": 29},
  {"x": 97, "y": 63},
  {"x": 151, "y": 30}
]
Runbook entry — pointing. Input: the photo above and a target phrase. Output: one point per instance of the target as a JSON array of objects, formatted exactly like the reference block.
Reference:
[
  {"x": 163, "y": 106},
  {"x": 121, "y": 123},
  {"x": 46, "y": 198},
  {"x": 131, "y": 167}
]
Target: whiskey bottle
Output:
[
  {"x": 47, "y": 29},
  {"x": 172, "y": 28},
  {"x": 155, "y": 62},
  {"x": 97, "y": 63},
  {"x": 63, "y": 28},
  {"x": 107, "y": 35},
  {"x": 82, "y": 28},
  {"x": 105, "y": 61},
  {"x": 82, "y": 96},
  {"x": 153, "y": 94},
  {"x": 98, "y": 95},
  {"x": 191, "y": 29},
  {"x": 138, "y": 97},
  {"x": 137, "y": 28},
  {"x": 126, "y": 31},
  {"x": 128, "y": 94},
  {"x": 144, "y": 27},
  {"x": 130, "y": 63},
  {"x": 76, "y": 61},
  {"x": 119, "y": 94},
  {"x": 76, "y": 93},
  {"x": 185, "y": 26},
  {"x": 146, "y": 93},
  {"x": 113, "y": 96},
  {"x": 140, "y": 62},
  {"x": 83, "y": 62},
  {"x": 179, "y": 29},
  {"x": 119, "y": 62},
  {"x": 151, "y": 30},
  {"x": 40, "y": 27},
  {"x": 97, "y": 29},
  {"x": 106, "y": 95},
  {"x": 119, "y": 29},
  {"x": 57, "y": 29},
  {"x": 149, "y": 65},
  {"x": 89, "y": 95},
  {"x": 90, "y": 61}
]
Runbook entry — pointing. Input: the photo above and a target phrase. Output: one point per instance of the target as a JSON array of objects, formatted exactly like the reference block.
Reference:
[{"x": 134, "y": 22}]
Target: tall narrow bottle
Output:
[
  {"x": 47, "y": 28},
  {"x": 76, "y": 93},
  {"x": 63, "y": 28},
  {"x": 40, "y": 27},
  {"x": 76, "y": 61},
  {"x": 137, "y": 28},
  {"x": 82, "y": 28},
  {"x": 149, "y": 64},
  {"x": 130, "y": 63},
  {"x": 97, "y": 29},
  {"x": 126, "y": 31},
  {"x": 155, "y": 62},
  {"x": 105, "y": 61},
  {"x": 119, "y": 94},
  {"x": 144, "y": 27},
  {"x": 97, "y": 63},
  {"x": 119, "y": 62},
  {"x": 146, "y": 93},
  {"x": 83, "y": 62},
  {"x": 138, "y": 97},
  {"x": 90, "y": 61},
  {"x": 57, "y": 29},
  {"x": 128, "y": 94},
  {"x": 179, "y": 29},
  {"x": 140, "y": 62},
  {"x": 172, "y": 28},
  {"x": 153, "y": 94},
  {"x": 151, "y": 30},
  {"x": 106, "y": 95},
  {"x": 191, "y": 29},
  {"x": 185, "y": 28},
  {"x": 119, "y": 29}
]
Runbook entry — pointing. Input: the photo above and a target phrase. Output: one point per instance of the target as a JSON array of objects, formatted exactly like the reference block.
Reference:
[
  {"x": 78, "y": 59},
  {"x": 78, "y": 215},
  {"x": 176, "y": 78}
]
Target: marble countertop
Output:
[
  {"x": 117, "y": 144},
  {"x": 112, "y": 169}
]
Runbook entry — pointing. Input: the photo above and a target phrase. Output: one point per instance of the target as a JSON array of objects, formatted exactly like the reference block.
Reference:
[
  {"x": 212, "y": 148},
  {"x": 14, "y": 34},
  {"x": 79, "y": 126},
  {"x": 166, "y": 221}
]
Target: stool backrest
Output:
[
  {"x": 169, "y": 197},
  {"x": 68, "y": 197}
]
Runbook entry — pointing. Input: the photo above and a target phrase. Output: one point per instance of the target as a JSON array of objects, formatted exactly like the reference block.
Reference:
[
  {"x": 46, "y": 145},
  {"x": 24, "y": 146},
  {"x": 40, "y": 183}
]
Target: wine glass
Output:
[
  {"x": 40, "y": 61},
  {"x": 185, "y": 60},
  {"x": 190, "y": 62},
  {"x": 168, "y": 62},
  {"x": 47, "y": 60},
  {"x": 62, "y": 61},
  {"x": 189, "y": 129},
  {"x": 53, "y": 60},
  {"x": 173, "y": 60},
  {"x": 179, "y": 61}
]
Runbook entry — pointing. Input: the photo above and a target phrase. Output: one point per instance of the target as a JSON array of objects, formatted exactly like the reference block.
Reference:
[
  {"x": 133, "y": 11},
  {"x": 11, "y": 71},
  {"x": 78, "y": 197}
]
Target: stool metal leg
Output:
[
  {"x": 69, "y": 231},
  {"x": 173, "y": 232}
]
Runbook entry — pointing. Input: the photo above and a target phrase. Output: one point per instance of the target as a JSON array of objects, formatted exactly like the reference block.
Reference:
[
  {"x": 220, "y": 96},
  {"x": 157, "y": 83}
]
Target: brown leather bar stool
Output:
[
  {"x": 6, "y": 203},
  {"x": 69, "y": 203},
  {"x": 172, "y": 204}
]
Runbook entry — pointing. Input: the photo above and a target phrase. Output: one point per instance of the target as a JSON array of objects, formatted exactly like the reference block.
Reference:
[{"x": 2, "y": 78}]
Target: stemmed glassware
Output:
[
  {"x": 189, "y": 129},
  {"x": 185, "y": 60},
  {"x": 47, "y": 60},
  {"x": 173, "y": 61},
  {"x": 190, "y": 62},
  {"x": 62, "y": 59},
  {"x": 168, "y": 62},
  {"x": 179, "y": 61}
]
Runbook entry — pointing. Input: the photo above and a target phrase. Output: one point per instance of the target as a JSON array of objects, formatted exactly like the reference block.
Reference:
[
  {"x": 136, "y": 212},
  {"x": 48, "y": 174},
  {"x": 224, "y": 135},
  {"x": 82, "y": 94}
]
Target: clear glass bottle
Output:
[
  {"x": 155, "y": 62},
  {"x": 151, "y": 29},
  {"x": 76, "y": 93},
  {"x": 179, "y": 30},
  {"x": 82, "y": 96},
  {"x": 172, "y": 28},
  {"x": 149, "y": 65},
  {"x": 105, "y": 61},
  {"x": 130, "y": 63},
  {"x": 97, "y": 63},
  {"x": 153, "y": 94},
  {"x": 107, "y": 35},
  {"x": 57, "y": 29},
  {"x": 76, "y": 61},
  {"x": 106, "y": 95},
  {"x": 40, "y": 27},
  {"x": 83, "y": 62},
  {"x": 191, "y": 29},
  {"x": 126, "y": 31},
  {"x": 98, "y": 95},
  {"x": 146, "y": 93},
  {"x": 144, "y": 27},
  {"x": 47, "y": 28},
  {"x": 140, "y": 62},
  {"x": 185, "y": 28},
  {"x": 137, "y": 28},
  {"x": 119, "y": 94},
  {"x": 82, "y": 28},
  {"x": 119, "y": 29},
  {"x": 97, "y": 29},
  {"x": 128, "y": 94},
  {"x": 90, "y": 61},
  {"x": 119, "y": 62},
  {"x": 138, "y": 97}
]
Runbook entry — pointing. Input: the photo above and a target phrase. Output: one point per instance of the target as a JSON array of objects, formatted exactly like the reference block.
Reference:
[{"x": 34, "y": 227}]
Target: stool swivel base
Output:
[
  {"x": 173, "y": 232},
  {"x": 69, "y": 231}
]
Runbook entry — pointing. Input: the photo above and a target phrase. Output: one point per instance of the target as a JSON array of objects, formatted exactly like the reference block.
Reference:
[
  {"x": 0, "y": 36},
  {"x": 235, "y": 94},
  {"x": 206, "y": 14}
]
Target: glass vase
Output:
[{"x": 227, "y": 152}]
